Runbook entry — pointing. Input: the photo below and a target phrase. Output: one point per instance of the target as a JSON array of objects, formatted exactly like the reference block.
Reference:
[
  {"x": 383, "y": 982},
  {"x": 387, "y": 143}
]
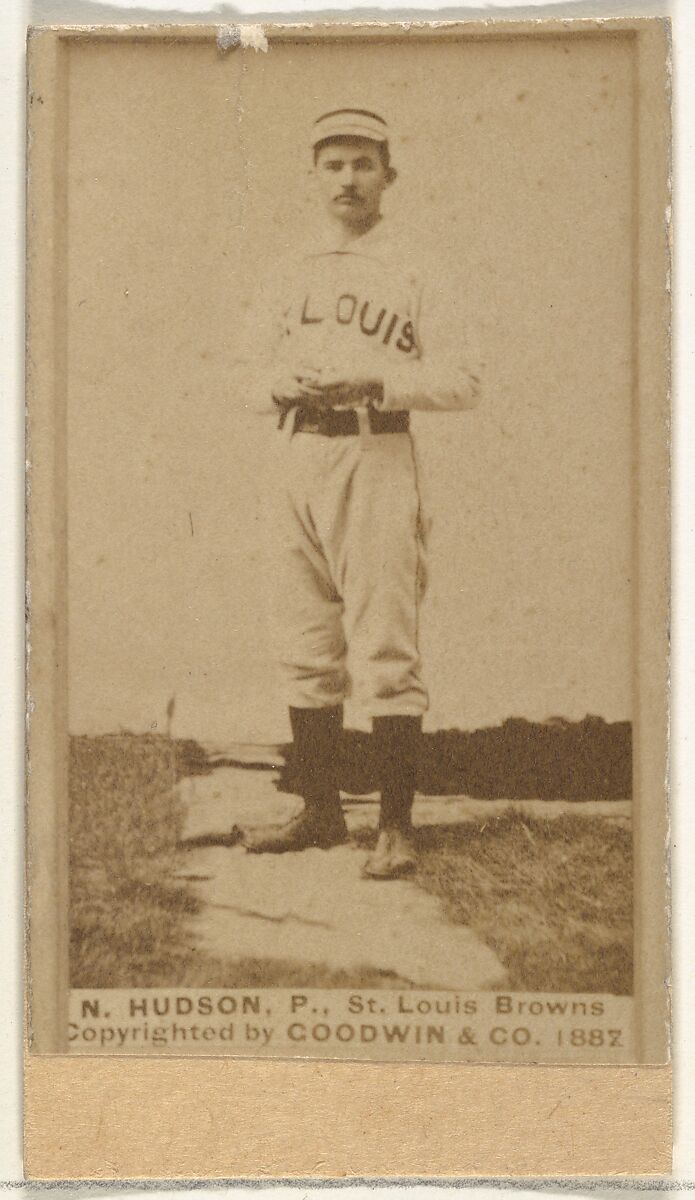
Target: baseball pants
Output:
[{"x": 348, "y": 572}]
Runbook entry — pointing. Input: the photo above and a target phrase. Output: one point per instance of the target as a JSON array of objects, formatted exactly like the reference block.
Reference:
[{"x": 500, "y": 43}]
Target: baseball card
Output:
[{"x": 348, "y": 407}]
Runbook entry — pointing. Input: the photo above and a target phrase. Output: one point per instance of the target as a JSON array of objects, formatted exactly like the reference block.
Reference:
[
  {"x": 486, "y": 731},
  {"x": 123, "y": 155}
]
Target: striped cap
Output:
[{"x": 349, "y": 122}]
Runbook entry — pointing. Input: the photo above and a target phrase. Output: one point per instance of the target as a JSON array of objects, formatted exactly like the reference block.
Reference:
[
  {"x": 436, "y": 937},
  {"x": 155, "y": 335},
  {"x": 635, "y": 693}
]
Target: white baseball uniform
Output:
[{"x": 346, "y": 519}]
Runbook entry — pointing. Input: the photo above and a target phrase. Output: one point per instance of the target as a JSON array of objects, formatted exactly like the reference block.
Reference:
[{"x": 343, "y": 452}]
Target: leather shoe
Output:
[
  {"x": 310, "y": 828},
  {"x": 393, "y": 856}
]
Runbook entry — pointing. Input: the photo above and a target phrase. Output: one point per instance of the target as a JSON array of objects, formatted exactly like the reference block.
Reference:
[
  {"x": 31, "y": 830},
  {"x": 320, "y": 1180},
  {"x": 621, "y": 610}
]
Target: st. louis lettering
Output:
[
  {"x": 345, "y": 310},
  {"x": 306, "y": 319},
  {"x": 407, "y": 339},
  {"x": 390, "y": 328},
  {"x": 364, "y": 324},
  {"x": 372, "y": 320}
]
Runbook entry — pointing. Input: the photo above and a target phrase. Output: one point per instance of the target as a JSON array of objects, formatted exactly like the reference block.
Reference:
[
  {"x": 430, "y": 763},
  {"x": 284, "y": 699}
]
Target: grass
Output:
[
  {"x": 137, "y": 938},
  {"x": 128, "y": 916},
  {"x": 552, "y": 897}
]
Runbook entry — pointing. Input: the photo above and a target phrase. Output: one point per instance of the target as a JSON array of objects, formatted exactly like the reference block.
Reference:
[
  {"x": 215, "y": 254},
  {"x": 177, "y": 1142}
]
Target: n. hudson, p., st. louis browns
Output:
[{"x": 354, "y": 345}]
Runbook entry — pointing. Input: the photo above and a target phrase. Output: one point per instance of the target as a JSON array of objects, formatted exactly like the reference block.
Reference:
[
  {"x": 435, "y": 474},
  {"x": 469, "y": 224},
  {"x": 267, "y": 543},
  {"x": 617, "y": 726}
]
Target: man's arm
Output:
[
  {"x": 423, "y": 385},
  {"x": 446, "y": 375},
  {"x": 442, "y": 374}
]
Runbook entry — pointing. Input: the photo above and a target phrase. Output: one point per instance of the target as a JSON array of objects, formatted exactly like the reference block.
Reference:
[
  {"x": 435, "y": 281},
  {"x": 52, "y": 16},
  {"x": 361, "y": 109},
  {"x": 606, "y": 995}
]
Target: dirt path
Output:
[
  {"x": 313, "y": 907},
  {"x": 231, "y": 795}
]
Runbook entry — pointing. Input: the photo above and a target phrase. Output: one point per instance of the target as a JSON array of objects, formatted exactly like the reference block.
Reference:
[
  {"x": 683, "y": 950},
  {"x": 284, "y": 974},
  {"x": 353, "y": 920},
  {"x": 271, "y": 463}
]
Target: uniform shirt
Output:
[{"x": 361, "y": 311}]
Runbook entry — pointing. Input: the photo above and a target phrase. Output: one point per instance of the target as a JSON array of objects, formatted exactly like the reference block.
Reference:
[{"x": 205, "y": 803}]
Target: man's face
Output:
[{"x": 351, "y": 176}]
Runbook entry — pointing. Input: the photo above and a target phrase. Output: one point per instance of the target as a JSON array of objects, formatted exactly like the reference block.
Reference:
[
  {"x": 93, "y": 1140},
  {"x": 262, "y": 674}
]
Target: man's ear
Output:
[{"x": 391, "y": 174}]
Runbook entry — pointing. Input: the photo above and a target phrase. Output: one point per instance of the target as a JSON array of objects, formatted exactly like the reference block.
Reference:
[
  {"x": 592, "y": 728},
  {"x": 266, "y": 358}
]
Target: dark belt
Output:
[{"x": 332, "y": 422}]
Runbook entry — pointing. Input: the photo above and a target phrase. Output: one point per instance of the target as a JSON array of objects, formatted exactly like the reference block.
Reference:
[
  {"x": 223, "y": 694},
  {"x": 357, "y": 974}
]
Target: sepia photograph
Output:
[{"x": 349, "y": 538}]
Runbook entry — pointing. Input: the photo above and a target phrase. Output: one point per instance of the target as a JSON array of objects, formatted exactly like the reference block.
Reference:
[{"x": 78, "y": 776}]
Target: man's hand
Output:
[
  {"x": 287, "y": 390},
  {"x": 325, "y": 387},
  {"x": 301, "y": 388},
  {"x": 337, "y": 388}
]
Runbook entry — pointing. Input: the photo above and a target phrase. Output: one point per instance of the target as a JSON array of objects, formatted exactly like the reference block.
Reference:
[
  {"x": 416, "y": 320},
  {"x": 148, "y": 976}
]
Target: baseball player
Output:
[{"x": 354, "y": 343}]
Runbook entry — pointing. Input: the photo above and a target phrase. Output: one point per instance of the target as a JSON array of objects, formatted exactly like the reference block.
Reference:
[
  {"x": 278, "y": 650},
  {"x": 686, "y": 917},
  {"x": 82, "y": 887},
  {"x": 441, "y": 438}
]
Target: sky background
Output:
[{"x": 187, "y": 179}]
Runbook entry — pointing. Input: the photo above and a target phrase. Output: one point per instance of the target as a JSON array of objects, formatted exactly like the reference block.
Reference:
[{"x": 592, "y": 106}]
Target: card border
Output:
[{"x": 50, "y": 1141}]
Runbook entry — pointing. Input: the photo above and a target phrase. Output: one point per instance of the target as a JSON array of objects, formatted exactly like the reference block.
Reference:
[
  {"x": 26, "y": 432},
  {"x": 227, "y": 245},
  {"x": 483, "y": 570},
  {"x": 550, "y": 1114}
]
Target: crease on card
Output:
[{"x": 249, "y": 37}]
